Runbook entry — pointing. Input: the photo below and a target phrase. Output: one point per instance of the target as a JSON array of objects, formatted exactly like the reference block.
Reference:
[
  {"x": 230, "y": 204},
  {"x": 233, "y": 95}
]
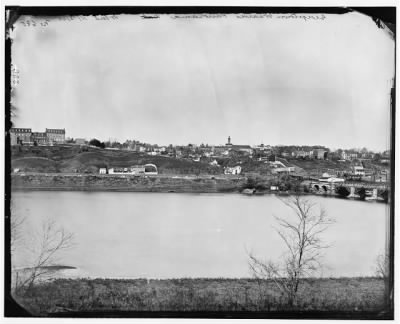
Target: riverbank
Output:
[
  {"x": 354, "y": 295},
  {"x": 161, "y": 183},
  {"x": 83, "y": 182}
]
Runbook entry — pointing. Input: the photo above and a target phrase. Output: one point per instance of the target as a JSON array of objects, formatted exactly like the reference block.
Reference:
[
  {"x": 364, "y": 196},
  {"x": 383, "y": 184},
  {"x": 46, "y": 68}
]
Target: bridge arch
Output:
[
  {"x": 343, "y": 191},
  {"x": 362, "y": 192}
]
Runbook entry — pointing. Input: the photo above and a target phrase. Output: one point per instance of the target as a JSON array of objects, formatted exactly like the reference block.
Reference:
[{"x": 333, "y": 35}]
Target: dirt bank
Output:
[{"x": 81, "y": 182}]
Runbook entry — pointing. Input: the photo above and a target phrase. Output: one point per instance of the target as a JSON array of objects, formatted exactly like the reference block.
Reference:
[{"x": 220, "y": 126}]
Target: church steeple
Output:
[{"x": 229, "y": 141}]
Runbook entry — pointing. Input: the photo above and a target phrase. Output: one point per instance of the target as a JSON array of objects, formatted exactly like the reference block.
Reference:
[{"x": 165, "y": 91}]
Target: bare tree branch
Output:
[
  {"x": 49, "y": 243},
  {"x": 302, "y": 238}
]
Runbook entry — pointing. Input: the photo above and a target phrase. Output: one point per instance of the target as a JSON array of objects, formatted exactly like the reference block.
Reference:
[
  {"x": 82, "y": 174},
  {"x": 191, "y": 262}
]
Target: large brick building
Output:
[
  {"x": 20, "y": 135},
  {"x": 55, "y": 136},
  {"x": 39, "y": 138},
  {"x": 27, "y": 137}
]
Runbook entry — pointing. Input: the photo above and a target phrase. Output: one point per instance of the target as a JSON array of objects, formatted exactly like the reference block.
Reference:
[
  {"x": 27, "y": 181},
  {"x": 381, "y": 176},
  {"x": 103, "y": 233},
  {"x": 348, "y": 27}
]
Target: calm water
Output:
[{"x": 165, "y": 235}]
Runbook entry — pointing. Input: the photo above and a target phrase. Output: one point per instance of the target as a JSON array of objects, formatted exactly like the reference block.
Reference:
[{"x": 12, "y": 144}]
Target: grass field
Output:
[
  {"x": 73, "y": 295},
  {"x": 320, "y": 166}
]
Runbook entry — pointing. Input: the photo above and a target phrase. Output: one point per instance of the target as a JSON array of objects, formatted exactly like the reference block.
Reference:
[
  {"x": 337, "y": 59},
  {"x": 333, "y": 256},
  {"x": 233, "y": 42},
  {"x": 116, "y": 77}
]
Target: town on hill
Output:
[{"x": 324, "y": 169}]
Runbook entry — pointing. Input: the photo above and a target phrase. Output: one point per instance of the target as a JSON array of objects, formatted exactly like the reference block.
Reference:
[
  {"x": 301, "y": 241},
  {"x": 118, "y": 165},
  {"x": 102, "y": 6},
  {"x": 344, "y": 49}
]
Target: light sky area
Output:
[{"x": 179, "y": 81}]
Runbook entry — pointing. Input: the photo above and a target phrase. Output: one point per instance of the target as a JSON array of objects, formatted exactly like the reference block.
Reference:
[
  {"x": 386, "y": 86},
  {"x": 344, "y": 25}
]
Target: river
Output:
[{"x": 171, "y": 235}]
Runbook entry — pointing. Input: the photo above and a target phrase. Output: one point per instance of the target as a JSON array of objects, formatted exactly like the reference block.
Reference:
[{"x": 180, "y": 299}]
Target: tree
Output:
[
  {"x": 382, "y": 266},
  {"x": 45, "y": 248},
  {"x": 16, "y": 222},
  {"x": 97, "y": 143},
  {"x": 382, "y": 270},
  {"x": 301, "y": 235}
]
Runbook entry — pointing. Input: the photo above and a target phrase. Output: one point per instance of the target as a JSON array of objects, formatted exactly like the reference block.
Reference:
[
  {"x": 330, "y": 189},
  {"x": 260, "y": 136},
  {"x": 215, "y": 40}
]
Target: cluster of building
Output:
[
  {"x": 25, "y": 136},
  {"x": 319, "y": 154},
  {"x": 277, "y": 159},
  {"x": 208, "y": 153},
  {"x": 343, "y": 155}
]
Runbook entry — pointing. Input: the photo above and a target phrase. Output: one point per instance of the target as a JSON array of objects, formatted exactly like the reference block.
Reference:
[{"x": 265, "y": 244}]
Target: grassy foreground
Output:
[{"x": 77, "y": 295}]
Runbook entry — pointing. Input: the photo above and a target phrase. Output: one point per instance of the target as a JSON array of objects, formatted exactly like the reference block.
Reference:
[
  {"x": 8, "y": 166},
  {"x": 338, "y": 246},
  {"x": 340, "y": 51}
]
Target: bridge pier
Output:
[
  {"x": 352, "y": 192},
  {"x": 375, "y": 193}
]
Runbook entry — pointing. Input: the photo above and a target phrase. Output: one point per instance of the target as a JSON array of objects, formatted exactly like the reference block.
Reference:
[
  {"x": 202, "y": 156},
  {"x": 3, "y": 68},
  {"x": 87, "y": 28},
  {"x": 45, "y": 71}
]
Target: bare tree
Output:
[
  {"x": 51, "y": 240},
  {"x": 301, "y": 234},
  {"x": 382, "y": 265},
  {"x": 16, "y": 222}
]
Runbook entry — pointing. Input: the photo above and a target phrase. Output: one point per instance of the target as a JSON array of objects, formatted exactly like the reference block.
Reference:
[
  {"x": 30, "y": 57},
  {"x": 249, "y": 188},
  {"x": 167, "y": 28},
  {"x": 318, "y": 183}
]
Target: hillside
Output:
[
  {"x": 317, "y": 167},
  {"x": 74, "y": 159}
]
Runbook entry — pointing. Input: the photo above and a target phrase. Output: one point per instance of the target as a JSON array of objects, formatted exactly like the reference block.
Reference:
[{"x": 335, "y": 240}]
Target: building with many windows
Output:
[
  {"x": 39, "y": 138},
  {"x": 55, "y": 136},
  {"x": 25, "y": 136},
  {"x": 20, "y": 136}
]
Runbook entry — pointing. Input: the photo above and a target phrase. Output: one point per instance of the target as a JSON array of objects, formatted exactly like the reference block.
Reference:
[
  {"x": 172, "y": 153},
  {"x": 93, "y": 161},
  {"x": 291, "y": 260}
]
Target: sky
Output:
[{"x": 190, "y": 80}]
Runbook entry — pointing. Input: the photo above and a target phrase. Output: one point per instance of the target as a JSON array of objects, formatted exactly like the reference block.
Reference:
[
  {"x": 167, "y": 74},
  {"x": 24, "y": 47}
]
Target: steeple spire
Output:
[{"x": 229, "y": 141}]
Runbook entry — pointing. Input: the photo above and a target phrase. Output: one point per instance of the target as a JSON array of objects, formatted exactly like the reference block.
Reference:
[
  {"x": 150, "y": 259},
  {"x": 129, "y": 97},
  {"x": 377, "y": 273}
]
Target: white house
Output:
[
  {"x": 233, "y": 170},
  {"x": 358, "y": 170},
  {"x": 103, "y": 170},
  {"x": 214, "y": 163}
]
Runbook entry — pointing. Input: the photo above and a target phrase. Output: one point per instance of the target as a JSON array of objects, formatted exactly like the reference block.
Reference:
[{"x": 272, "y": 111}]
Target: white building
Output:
[
  {"x": 103, "y": 170},
  {"x": 147, "y": 169},
  {"x": 358, "y": 170},
  {"x": 301, "y": 154},
  {"x": 214, "y": 163},
  {"x": 120, "y": 171},
  {"x": 233, "y": 170}
]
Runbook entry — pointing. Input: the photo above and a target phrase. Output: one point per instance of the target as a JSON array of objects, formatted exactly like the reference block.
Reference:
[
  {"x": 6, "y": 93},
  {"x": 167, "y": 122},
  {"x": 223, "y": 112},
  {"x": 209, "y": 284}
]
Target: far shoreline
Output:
[
  {"x": 164, "y": 183},
  {"x": 130, "y": 190}
]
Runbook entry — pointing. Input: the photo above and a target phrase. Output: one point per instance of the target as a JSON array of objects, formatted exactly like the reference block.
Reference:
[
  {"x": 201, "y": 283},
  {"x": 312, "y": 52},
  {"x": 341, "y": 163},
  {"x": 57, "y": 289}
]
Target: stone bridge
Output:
[{"x": 351, "y": 189}]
